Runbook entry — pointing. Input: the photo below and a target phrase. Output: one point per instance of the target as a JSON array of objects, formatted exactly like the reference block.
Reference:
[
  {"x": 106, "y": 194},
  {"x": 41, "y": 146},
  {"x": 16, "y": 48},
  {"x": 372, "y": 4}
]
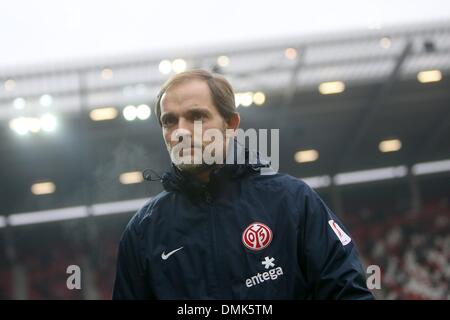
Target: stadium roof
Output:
[{"x": 379, "y": 97}]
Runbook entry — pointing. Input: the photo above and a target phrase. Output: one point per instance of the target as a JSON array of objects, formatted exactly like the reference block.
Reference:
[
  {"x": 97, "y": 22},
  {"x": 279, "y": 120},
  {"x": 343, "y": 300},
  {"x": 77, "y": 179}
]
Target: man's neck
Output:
[
  {"x": 203, "y": 176},
  {"x": 200, "y": 174}
]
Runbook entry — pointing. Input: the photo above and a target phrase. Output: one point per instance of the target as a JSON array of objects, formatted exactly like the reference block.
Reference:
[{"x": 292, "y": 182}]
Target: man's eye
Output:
[{"x": 168, "y": 122}]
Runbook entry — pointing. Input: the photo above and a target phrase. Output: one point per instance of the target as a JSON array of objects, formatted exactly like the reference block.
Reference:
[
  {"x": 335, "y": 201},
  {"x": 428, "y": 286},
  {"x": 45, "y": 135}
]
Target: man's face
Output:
[{"x": 181, "y": 106}]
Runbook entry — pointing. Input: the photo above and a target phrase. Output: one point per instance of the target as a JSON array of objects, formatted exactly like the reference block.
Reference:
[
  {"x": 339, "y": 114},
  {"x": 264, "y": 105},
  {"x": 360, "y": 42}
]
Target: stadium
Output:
[{"x": 363, "y": 118}]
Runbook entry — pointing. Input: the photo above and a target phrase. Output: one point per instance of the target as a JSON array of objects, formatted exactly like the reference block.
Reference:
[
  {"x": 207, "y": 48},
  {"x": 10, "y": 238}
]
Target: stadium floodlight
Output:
[
  {"x": 10, "y": 85},
  {"x": 19, "y": 103},
  {"x": 332, "y": 87},
  {"x": 259, "y": 98},
  {"x": 23, "y": 125},
  {"x": 131, "y": 177},
  {"x": 385, "y": 42},
  {"x": 223, "y": 61},
  {"x": 34, "y": 125},
  {"x": 48, "y": 122},
  {"x": 429, "y": 76},
  {"x": 46, "y": 100},
  {"x": 318, "y": 181},
  {"x": 390, "y": 145},
  {"x": 178, "y": 65},
  {"x": 303, "y": 156},
  {"x": 107, "y": 74},
  {"x": 102, "y": 114},
  {"x": 165, "y": 66},
  {"x": 143, "y": 112},
  {"x": 129, "y": 113},
  {"x": 42, "y": 188},
  {"x": 290, "y": 53},
  {"x": 246, "y": 99},
  {"x": 19, "y": 125},
  {"x": 370, "y": 175}
]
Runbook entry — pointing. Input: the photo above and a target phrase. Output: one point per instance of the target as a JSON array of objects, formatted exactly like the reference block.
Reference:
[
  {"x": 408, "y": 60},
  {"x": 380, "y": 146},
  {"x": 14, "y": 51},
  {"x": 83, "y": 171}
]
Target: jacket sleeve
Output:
[
  {"x": 131, "y": 281},
  {"x": 328, "y": 257}
]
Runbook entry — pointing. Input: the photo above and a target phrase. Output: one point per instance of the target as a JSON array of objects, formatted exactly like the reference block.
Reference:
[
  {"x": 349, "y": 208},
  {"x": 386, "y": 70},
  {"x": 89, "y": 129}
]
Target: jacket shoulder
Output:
[
  {"x": 145, "y": 212},
  {"x": 286, "y": 182}
]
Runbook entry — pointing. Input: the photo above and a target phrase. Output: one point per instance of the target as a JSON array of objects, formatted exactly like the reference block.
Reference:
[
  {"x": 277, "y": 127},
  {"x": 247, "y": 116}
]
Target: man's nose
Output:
[
  {"x": 184, "y": 125},
  {"x": 183, "y": 129}
]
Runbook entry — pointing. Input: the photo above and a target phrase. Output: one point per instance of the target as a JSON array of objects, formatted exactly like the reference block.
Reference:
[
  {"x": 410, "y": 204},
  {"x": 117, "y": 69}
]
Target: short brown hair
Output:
[{"x": 221, "y": 91}]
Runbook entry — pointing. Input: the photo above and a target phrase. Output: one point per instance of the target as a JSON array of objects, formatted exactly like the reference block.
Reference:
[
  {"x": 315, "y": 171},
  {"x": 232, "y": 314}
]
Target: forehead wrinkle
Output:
[
  {"x": 194, "y": 90},
  {"x": 183, "y": 105}
]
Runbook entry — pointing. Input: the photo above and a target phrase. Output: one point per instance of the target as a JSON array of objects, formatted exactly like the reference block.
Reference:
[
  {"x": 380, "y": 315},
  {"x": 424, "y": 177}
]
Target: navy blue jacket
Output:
[{"x": 242, "y": 236}]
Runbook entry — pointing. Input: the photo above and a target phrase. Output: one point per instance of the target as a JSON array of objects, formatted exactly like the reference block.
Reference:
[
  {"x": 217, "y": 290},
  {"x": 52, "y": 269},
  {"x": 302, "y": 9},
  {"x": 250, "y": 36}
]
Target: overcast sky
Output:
[{"x": 37, "y": 32}]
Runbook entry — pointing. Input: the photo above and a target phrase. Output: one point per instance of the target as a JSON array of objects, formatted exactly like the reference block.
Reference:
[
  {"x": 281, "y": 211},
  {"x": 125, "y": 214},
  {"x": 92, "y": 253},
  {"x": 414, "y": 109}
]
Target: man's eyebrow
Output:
[
  {"x": 166, "y": 114},
  {"x": 198, "y": 109},
  {"x": 193, "y": 109}
]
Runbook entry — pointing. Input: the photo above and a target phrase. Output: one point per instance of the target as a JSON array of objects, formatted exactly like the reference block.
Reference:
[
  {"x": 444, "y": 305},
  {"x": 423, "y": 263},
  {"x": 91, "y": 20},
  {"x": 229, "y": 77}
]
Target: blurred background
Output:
[{"x": 359, "y": 90}]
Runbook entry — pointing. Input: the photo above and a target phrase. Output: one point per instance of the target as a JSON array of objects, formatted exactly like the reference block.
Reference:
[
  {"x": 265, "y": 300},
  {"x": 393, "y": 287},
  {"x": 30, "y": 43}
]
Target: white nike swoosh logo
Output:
[{"x": 165, "y": 256}]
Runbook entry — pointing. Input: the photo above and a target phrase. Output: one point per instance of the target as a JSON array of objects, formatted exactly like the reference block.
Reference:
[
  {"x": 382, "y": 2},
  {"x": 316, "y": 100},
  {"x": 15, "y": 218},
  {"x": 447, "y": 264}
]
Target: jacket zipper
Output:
[{"x": 216, "y": 283}]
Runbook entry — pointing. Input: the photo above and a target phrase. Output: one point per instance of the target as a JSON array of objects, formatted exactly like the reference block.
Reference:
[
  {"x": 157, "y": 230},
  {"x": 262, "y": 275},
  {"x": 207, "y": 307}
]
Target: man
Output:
[{"x": 226, "y": 231}]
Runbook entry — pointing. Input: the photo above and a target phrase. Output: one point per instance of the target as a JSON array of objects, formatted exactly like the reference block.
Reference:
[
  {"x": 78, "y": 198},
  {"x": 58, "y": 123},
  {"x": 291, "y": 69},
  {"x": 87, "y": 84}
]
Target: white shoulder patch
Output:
[{"x": 343, "y": 237}]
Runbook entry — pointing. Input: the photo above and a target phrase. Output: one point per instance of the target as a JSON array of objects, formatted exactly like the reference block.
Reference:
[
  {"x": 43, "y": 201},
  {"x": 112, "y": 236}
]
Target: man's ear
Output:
[{"x": 234, "y": 121}]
